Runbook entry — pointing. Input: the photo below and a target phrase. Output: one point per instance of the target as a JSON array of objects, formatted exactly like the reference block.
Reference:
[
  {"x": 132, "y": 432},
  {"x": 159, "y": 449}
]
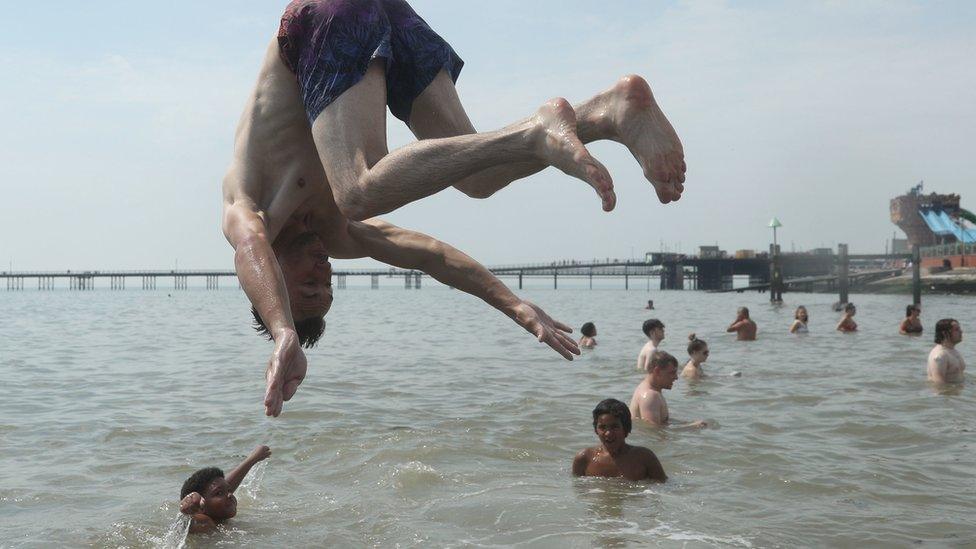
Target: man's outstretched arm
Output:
[
  {"x": 412, "y": 250},
  {"x": 259, "y": 273}
]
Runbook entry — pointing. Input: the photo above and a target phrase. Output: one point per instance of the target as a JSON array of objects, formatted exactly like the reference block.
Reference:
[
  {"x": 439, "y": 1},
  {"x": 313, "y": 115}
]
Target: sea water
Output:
[{"x": 429, "y": 419}]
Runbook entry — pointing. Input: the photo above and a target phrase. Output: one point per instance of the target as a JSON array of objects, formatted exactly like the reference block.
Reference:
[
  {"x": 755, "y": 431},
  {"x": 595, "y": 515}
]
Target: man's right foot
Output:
[
  {"x": 633, "y": 118},
  {"x": 559, "y": 146}
]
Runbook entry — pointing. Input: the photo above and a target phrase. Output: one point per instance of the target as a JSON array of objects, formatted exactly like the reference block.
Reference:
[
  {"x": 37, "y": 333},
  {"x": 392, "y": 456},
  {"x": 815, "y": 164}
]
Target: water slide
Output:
[{"x": 941, "y": 224}]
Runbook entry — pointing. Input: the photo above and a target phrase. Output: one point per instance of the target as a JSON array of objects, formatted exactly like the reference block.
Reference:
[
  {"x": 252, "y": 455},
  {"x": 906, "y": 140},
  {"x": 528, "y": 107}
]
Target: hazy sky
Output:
[{"x": 117, "y": 122}]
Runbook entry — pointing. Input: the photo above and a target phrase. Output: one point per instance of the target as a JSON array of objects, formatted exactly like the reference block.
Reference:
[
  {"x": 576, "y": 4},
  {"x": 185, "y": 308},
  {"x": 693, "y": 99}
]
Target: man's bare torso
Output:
[
  {"x": 955, "y": 366},
  {"x": 652, "y": 400},
  {"x": 276, "y": 170}
]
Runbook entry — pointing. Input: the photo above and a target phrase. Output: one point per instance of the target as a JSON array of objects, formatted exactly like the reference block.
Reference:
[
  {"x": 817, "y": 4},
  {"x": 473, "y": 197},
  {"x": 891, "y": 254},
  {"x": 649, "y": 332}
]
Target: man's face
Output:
[
  {"x": 664, "y": 376},
  {"x": 610, "y": 431},
  {"x": 658, "y": 333},
  {"x": 955, "y": 335},
  {"x": 218, "y": 501},
  {"x": 916, "y": 312},
  {"x": 305, "y": 266}
]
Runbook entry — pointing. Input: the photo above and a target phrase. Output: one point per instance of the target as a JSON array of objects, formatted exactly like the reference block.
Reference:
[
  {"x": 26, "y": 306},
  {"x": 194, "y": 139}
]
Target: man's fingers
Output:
[
  {"x": 562, "y": 326},
  {"x": 552, "y": 341}
]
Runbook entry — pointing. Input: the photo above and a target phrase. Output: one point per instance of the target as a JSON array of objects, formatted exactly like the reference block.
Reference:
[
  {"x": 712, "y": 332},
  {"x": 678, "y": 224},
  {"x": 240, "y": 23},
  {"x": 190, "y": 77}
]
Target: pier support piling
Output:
[
  {"x": 416, "y": 280},
  {"x": 843, "y": 283},
  {"x": 341, "y": 281},
  {"x": 916, "y": 275},
  {"x": 374, "y": 281}
]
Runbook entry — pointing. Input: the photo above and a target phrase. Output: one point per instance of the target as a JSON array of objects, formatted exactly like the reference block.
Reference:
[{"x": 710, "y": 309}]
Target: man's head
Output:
[
  {"x": 611, "y": 423},
  {"x": 588, "y": 329},
  {"x": 948, "y": 331},
  {"x": 653, "y": 329},
  {"x": 913, "y": 310},
  {"x": 305, "y": 267},
  {"x": 850, "y": 309},
  {"x": 663, "y": 370},
  {"x": 219, "y": 503},
  {"x": 743, "y": 312}
]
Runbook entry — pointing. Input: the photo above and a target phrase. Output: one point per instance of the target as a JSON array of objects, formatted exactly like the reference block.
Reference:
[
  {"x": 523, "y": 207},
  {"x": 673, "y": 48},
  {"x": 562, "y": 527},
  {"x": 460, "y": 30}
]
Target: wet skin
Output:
[{"x": 614, "y": 457}]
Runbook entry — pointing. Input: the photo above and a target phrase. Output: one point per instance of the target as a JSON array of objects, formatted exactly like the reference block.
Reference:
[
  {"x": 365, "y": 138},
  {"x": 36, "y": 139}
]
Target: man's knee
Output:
[{"x": 352, "y": 201}]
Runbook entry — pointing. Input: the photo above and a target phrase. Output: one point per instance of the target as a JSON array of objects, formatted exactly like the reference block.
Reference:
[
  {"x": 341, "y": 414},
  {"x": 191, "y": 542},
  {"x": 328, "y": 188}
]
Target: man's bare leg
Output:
[
  {"x": 625, "y": 113},
  {"x": 367, "y": 180}
]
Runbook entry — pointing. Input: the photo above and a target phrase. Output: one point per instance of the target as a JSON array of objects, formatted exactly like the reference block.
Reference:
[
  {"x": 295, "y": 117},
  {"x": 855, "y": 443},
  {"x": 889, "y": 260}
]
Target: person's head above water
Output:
[
  {"x": 305, "y": 268},
  {"x": 697, "y": 348},
  {"x": 912, "y": 309},
  {"x": 801, "y": 314},
  {"x": 219, "y": 503},
  {"x": 651, "y": 325},
  {"x": 850, "y": 308},
  {"x": 743, "y": 312},
  {"x": 615, "y": 410},
  {"x": 948, "y": 330},
  {"x": 588, "y": 329},
  {"x": 663, "y": 370}
]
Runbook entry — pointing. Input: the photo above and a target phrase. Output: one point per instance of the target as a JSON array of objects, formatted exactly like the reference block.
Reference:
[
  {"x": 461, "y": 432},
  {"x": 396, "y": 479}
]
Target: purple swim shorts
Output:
[{"x": 328, "y": 44}]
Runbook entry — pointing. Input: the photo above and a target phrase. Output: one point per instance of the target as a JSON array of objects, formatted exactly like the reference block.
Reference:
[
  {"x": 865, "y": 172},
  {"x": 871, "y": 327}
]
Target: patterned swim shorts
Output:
[{"x": 328, "y": 44}]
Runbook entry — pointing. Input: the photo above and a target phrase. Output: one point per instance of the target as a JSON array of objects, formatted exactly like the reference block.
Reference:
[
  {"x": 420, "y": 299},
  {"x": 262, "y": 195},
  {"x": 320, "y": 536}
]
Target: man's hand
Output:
[
  {"x": 286, "y": 370},
  {"x": 191, "y": 504},
  {"x": 551, "y": 332},
  {"x": 260, "y": 453}
]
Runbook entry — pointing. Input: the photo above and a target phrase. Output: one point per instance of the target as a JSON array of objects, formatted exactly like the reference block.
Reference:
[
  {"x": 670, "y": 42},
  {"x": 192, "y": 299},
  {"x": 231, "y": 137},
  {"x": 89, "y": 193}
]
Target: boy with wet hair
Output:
[
  {"x": 208, "y": 495},
  {"x": 654, "y": 330},
  {"x": 614, "y": 457},
  {"x": 588, "y": 341}
]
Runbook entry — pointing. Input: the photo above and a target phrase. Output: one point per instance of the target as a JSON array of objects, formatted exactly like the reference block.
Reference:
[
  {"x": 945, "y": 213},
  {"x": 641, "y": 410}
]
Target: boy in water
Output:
[
  {"x": 744, "y": 328},
  {"x": 654, "y": 330},
  {"x": 614, "y": 457},
  {"x": 588, "y": 341},
  {"x": 208, "y": 496}
]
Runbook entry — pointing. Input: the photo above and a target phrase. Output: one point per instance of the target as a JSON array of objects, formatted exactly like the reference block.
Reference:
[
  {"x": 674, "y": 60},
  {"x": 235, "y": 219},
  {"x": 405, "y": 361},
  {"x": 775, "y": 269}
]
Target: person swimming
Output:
[
  {"x": 208, "y": 495},
  {"x": 847, "y": 324},
  {"x": 698, "y": 351},
  {"x": 588, "y": 340},
  {"x": 911, "y": 324},
  {"x": 743, "y": 326},
  {"x": 654, "y": 330},
  {"x": 648, "y": 402},
  {"x": 945, "y": 364},
  {"x": 614, "y": 457},
  {"x": 800, "y": 319}
]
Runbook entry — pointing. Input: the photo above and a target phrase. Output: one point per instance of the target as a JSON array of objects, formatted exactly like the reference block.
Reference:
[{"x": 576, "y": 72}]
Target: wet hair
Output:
[
  {"x": 199, "y": 481},
  {"x": 943, "y": 328},
  {"x": 744, "y": 311},
  {"x": 796, "y": 313},
  {"x": 615, "y": 408},
  {"x": 695, "y": 344},
  {"x": 909, "y": 309},
  {"x": 588, "y": 329},
  {"x": 651, "y": 324},
  {"x": 309, "y": 330},
  {"x": 661, "y": 359},
  {"x": 849, "y": 307}
]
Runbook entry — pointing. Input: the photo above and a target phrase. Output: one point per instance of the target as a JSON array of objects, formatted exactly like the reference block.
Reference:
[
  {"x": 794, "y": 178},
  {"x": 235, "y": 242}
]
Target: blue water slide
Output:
[
  {"x": 936, "y": 222},
  {"x": 962, "y": 235},
  {"x": 942, "y": 225}
]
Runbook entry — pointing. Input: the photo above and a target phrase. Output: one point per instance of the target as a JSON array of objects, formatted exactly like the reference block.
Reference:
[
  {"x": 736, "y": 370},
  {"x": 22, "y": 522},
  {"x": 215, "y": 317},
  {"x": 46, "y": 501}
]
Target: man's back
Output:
[
  {"x": 644, "y": 356},
  {"x": 945, "y": 365}
]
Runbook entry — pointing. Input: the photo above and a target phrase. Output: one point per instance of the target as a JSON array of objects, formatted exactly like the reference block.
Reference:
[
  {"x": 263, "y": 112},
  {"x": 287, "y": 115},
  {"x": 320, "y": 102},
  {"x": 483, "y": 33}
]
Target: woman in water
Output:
[
  {"x": 800, "y": 321},
  {"x": 847, "y": 324},
  {"x": 698, "y": 351},
  {"x": 911, "y": 325}
]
